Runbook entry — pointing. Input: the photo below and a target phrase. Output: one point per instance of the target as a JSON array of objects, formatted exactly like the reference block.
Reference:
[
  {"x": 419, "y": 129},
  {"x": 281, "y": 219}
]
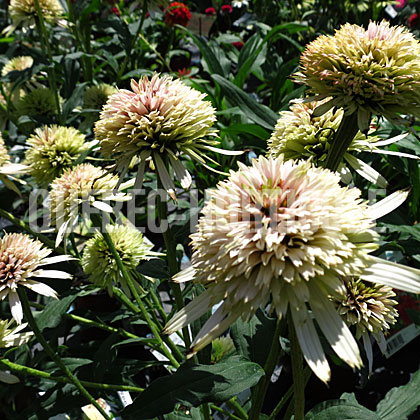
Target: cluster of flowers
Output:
[{"x": 281, "y": 234}]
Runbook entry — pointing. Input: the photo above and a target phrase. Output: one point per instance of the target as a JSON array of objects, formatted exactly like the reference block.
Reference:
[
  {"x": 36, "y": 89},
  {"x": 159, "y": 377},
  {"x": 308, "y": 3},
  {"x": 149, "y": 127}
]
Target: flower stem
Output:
[
  {"x": 237, "y": 408},
  {"x": 53, "y": 355},
  {"x": 46, "y": 46},
  {"x": 342, "y": 139},
  {"x": 172, "y": 260},
  {"x": 97, "y": 220},
  {"x": 298, "y": 379},
  {"x": 262, "y": 386},
  {"x": 24, "y": 370},
  {"x": 226, "y": 413},
  {"x": 307, "y": 374}
]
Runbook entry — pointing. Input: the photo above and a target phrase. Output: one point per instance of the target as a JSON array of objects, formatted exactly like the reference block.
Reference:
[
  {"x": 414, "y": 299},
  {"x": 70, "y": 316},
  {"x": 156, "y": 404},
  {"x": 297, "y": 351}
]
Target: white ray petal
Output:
[
  {"x": 390, "y": 152},
  {"x": 390, "y": 140},
  {"x": 15, "y": 307},
  {"x": 368, "y": 349},
  {"x": 52, "y": 274},
  {"x": 197, "y": 307},
  {"x": 392, "y": 274},
  {"x": 56, "y": 259},
  {"x": 388, "y": 204},
  {"x": 164, "y": 175},
  {"x": 187, "y": 274},
  {"x": 41, "y": 288},
  {"x": 366, "y": 171},
  {"x": 181, "y": 172},
  {"x": 334, "y": 328},
  {"x": 309, "y": 341},
  {"x": 224, "y": 151}
]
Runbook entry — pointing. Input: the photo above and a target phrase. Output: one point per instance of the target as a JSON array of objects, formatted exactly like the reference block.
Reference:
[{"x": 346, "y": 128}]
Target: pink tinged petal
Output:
[
  {"x": 392, "y": 274},
  {"x": 309, "y": 340},
  {"x": 41, "y": 288},
  {"x": 15, "y": 307},
  {"x": 61, "y": 232},
  {"x": 52, "y": 274},
  {"x": 388, "y": 204},
  {"x": 334, "y": 328},
  {"x": 198, "y": 307},
  {"x": 218, "y": 323}
]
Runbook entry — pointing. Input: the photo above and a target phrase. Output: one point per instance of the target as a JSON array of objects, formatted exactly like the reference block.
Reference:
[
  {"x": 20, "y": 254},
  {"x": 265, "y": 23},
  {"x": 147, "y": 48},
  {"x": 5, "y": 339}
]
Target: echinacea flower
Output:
[
  {"x": 370, "y": 309},
  {"x": 226, "y": 9},
  {"x": 38, "y": 102},
  {"x": 7, "y": 168},
  {"x": 52, "y": 150},
  {"x": 17, "y": 64},
  {"x": 413, "y": 20},
  {"x": 24, "y": 11},
  {"x": 221, "y": 347},
  {"x": 10, "y": 337},
  {"x": 177, "y": 13},
  {"x": 95, "y": 97},
  {"x": 373, "y": 71},
  {"x": 76, "y": 190},
  {"x": 285, "y": 233},
  {"x": 300, "y": 135},
  {"x": 99, "y": 263},
  {"x": 161, "y": 119},
  {"x": 21, "y": 262}
]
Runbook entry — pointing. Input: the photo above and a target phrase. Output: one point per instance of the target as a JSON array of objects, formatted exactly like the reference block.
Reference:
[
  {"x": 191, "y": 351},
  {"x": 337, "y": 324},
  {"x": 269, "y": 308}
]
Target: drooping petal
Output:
[
  {"x": 41, "y": 288},
  {"x": 388, "y": 204},
  {"x": 366, "y": 171},
  {"x": 15, "y": 307}
]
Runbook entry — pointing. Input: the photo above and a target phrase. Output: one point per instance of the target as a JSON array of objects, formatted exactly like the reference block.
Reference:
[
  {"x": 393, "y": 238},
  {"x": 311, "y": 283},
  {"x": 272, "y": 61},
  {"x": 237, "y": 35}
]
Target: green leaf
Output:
[
  {"x": 71, "y": 362},
  {"x": 156, "y": 268},
  {"x": 348, "y": 409},
  {"x": 208, "y": 55},
  {"x": 413, "y": 231},
  {"x": 401, "y": 401},
  {"x": 256, "y": 112},
  {"x": 253, "y": 338},
  {"x": 50, "y": 316},
  {"x": 74, "y": 100},
  {"x": 194, "y": 384}
]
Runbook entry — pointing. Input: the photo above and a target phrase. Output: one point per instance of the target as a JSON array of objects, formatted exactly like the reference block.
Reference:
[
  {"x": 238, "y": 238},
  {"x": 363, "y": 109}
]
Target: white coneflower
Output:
[
  {"x": 286, "y": 233},
  {"x": 17, "y": 64},
  {"x": 365, "y": 71},
  {"x": 52, "y": 150},
  {"x": 10, "y": 337},
  {"x": 161, "y": 119},
  {"x": 83, "y": 184},
  {"x": 99, "y": 263},
  {"x": 20, "y": 260}
]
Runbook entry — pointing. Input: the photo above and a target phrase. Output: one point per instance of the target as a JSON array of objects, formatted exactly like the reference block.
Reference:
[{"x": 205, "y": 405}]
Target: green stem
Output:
[
  {"x": 262, "y": 386},
  {"x": 298, "y": 379},
  {"x": 342, "y": 139},
  {"x": 237, "y": 408},
  {"x": 24, "y": 370},
  {"x": 307, "y": 374},
  {"x": 46, "y": 46},
  {"x": 20, "y": 223},
  {"x": 158, "y": 304},
  {"x": 97, "y": 220},
  {"x": 170, "y": 245},
  {"x": 226, "y": 413},
  {"x": 205, "y": 409},
  {"x": 52, "y": 354},
  {"x": 74, "y": 246}
]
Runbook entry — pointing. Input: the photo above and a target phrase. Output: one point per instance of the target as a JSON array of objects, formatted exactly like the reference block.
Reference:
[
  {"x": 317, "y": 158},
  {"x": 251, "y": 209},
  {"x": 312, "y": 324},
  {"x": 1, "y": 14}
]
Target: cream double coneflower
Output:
[
  {"x": 21, "y": 264},
  {"x": 159, "y": 119},
  {"x": 373, "y": 71},
  {"x": 83, "y": 185},
  {"x": 285, "y": 233}
]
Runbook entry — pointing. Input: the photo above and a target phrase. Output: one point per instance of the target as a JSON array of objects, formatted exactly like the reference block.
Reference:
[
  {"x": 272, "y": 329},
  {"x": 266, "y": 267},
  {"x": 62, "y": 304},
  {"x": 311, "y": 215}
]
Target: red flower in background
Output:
[
  {"x": 400, "y": 4},
  {"x": 226, "y": 9},
  {"x": 115, "y": 11},
  {"x": 210, "y": 11},
  {"x": 238, "y": 44},
  {"x": 177, "y": 13},
  {"x": 183, "y": 72},
  {"x": 405, "y": 302},
  {"x": 413, "y": 19}
]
